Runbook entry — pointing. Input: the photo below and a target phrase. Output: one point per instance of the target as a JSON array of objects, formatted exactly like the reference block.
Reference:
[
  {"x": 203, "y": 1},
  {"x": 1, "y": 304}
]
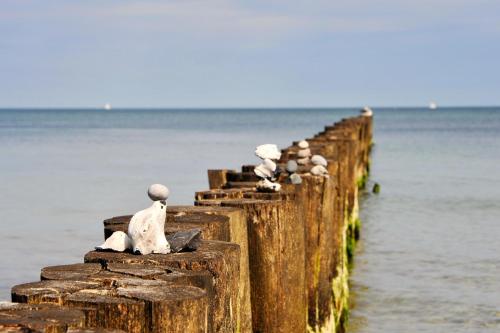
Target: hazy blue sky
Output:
[{"x": 249, "y": 53}]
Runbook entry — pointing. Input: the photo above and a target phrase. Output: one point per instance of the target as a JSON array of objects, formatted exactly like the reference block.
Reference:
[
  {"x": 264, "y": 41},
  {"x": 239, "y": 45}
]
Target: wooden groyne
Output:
[{"x": 268, "y": 262}]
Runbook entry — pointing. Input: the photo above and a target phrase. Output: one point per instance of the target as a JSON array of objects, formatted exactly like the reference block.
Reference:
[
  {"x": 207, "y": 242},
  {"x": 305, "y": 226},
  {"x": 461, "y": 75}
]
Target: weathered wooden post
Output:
[
  {"x": 217, "y": 223},
  {"x": 276, "y": 252},
  {"x": 15, "y": 317},
  {"x": 131, "y": 304},
  {"x": 221, "y": 259}
]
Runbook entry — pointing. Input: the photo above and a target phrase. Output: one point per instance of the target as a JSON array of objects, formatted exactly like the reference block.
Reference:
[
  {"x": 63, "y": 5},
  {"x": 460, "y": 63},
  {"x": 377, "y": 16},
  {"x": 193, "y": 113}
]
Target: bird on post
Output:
[{"x": 366, "y": 112}]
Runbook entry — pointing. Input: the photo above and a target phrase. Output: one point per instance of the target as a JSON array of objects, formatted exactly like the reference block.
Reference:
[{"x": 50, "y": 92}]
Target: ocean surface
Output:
[{"x": 429, "y": 257}]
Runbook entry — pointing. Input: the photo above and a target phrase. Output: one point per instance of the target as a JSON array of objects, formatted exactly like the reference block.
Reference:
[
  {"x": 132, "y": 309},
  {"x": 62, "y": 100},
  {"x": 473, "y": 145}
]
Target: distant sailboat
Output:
[
  {"x": 433, "y": 105},
  {"x": 107, "y": 106}
]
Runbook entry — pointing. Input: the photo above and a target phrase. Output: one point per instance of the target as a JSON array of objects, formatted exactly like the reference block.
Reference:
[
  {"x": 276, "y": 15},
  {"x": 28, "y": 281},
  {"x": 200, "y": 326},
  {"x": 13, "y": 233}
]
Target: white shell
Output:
[
  {"x": 147, "y": 230},
  {"x": 158, "y": 192},
  {"x": 118, "y": 241},
  {"x": 303, "y": 161},
  {"x": 270, "y": 165},
  {"x": 269, "y": 151},
  {"x": 319, "y": 170},
  {"x": 303, "y": 144},
  {"x": 304, "y": 153},
  {"x": 262, "y": 171},
  {"x": 319, "y": 160},
  {"x": 268, "y": 185}
]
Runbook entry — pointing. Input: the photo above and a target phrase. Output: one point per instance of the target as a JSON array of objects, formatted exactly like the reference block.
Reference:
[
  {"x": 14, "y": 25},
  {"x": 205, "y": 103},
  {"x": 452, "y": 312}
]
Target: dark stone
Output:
[
  {"x": 184, "y": 241},
  {"x": 276, "y": 173}
]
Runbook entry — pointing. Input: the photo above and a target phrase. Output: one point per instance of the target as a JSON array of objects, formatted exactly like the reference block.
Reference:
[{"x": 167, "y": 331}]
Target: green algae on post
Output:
[
  {"x": 361, "y": 182},
  {"x": 376, "y": 188}
]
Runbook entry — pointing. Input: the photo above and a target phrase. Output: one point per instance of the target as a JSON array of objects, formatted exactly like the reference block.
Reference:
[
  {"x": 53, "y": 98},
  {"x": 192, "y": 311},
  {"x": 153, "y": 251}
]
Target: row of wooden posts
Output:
[{"x": 268, "y": 262}]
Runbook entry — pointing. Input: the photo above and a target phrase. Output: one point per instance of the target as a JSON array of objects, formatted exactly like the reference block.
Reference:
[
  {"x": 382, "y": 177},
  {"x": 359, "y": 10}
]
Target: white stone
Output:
[
  {"x": 303, "y": 161},
  {"x": 268, "y": 186},
  {"x": 158, "y": 192},
  {"x": 270, "y": 165},
  {"x": 319, "y": 160},
  {"x": 262, "y": 171},
  {"x": 266, "y": 169},
  {"x": 269, "y": 151},
  {"x": 304, "y": 153},
  {"x": 295, "y": 179},
  {"x": 303, "y": 144},
  {"x": 291, "y": 166},
  {"x": 118, "y": 241},
  {"x": 147, "y": 230},
  {"x": 319, "y": 170}
]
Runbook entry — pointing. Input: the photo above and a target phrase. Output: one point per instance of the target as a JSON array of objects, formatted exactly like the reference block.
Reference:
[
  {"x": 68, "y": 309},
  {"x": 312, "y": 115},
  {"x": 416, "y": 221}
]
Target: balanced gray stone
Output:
[
  {"x": 158, "y": 192},
  {"x": 319, "y": 160},
  {"x": 291, "y": 166}
]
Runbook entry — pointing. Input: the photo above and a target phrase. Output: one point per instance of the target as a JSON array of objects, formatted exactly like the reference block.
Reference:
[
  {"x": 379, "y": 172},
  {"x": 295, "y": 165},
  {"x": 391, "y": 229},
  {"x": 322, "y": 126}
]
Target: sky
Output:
[{"x": 218, "y": 53}]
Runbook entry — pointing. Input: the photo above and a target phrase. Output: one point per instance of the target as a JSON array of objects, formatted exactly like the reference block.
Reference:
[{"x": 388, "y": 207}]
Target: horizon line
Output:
[{"x": 237, "y": 107}]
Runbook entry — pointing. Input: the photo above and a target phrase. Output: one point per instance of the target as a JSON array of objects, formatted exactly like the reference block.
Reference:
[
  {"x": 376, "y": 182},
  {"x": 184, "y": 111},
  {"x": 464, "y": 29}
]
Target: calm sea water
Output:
[{"x": 429, "y": 259}]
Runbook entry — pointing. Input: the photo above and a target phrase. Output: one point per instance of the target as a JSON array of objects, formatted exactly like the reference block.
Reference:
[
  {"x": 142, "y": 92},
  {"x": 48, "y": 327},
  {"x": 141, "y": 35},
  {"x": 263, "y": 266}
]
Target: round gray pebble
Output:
[
  {"x": 319, "y": 160},
  {"x": 291, "y": 166},
  {"x": 158, "y": 192},
  {"x": 295, "y": 179}
]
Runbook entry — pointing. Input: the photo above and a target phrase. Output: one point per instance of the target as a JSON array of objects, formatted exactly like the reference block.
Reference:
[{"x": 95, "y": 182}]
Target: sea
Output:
[{"x": 429, "y": 255}]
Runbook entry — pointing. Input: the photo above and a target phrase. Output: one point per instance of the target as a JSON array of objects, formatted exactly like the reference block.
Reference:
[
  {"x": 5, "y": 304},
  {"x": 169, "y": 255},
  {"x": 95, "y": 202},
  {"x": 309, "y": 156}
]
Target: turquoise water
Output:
[{"x": 429, "y": 255}]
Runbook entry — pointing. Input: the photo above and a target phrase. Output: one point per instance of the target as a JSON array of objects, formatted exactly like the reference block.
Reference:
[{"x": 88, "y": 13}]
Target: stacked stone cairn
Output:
[
  {"x": 304, "y": 153},
  {"x": 293, "y": 176},
  {"x": 320, "y": 164},
  {"x": 267, "y": 171},
  {"x": 304, "y": 158}
]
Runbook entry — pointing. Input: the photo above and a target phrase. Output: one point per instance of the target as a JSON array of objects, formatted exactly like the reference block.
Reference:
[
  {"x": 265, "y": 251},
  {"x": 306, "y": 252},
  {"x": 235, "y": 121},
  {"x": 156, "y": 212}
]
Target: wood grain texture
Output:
[{"x": 221, "y": 259}]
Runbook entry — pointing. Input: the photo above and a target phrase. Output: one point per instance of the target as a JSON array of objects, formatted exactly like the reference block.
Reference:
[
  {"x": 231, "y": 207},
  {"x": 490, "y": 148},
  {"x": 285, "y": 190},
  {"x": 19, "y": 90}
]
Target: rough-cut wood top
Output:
[
  {"x": 15, "y": 317},
  {"x": 221, "y": 259}
]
